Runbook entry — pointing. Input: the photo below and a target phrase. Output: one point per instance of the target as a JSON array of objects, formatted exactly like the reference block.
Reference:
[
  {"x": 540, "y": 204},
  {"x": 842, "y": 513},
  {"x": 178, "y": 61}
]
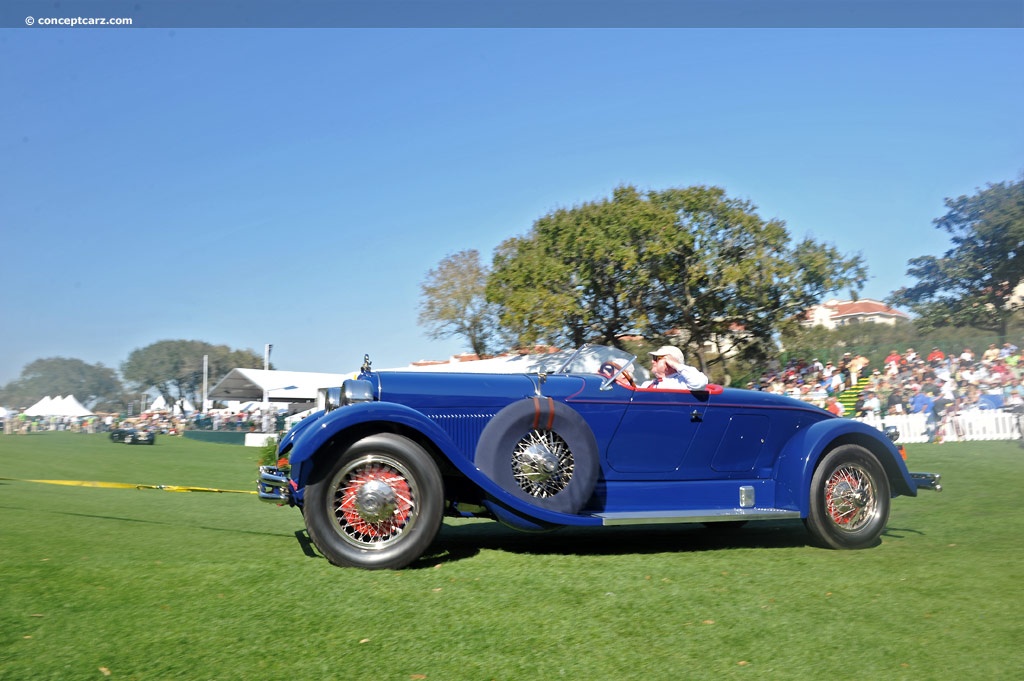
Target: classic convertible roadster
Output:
[{"x": 573, "y": 442}]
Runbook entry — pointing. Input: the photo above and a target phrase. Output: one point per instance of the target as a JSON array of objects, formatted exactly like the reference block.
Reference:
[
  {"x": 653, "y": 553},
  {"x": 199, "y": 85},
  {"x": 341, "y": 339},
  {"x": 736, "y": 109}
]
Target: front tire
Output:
[
  {"x": 377, "y": 506},
  {"x": 850, "y": 499}
]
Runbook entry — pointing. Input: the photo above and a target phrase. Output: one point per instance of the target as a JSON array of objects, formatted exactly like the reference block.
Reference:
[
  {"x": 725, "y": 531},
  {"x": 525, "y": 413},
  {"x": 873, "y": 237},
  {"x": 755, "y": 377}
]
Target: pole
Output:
[
  {"x": 266, "y": 393},
  {"x": 206, "y": 378}
]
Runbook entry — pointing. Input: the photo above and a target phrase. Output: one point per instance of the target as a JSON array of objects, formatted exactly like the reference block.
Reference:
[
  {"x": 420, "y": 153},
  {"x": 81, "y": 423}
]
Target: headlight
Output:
[
  {"x": 351, "y": 391},
  {"x": 356, "y": 390},
  {"x": 328, "y": 399},
  {"x": 892, "y": 432}
]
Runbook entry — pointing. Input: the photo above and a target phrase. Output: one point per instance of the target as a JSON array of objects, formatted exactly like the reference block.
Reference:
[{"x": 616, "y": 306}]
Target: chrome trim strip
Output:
[{"x": 695, "y": 516}]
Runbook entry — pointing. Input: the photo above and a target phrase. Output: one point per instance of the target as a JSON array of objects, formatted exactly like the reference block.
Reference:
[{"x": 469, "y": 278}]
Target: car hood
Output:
[{"x": 458, "y": 390}]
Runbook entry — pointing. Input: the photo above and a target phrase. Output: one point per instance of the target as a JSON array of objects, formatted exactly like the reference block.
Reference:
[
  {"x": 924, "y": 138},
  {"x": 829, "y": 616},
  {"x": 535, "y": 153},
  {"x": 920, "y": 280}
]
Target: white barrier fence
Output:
[{"x": 967, "y": 425}]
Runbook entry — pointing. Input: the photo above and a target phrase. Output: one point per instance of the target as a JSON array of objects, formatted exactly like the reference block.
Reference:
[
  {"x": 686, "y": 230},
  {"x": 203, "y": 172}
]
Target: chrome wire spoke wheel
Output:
[
  {"x": 374, "y": 502},
  {"x": 850, "y": 498},
  {"x": 541, "y": 452},
  {"x": 542, "y": 463}
]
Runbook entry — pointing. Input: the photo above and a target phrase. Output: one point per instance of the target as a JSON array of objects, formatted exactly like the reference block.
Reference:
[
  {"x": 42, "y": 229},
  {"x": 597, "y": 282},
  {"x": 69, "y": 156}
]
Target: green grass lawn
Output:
[{"x": 145, "y": 584}]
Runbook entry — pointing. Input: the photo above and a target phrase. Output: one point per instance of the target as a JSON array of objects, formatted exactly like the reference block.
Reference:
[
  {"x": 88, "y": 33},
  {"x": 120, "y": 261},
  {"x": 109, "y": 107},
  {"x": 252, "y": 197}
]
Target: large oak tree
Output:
[
  {"x": 687, "y": 264},
  {"x": 979, "y": 281},
  {"x": 580, "y": 273},
  {"x": 175, "y": 367},
  {"x": 94, "y": 385}
]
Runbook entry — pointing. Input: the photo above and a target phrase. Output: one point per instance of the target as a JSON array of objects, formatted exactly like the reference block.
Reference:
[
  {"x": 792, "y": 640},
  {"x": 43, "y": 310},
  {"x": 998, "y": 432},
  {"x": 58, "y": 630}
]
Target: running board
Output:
[{"x": 696, "y": 516}]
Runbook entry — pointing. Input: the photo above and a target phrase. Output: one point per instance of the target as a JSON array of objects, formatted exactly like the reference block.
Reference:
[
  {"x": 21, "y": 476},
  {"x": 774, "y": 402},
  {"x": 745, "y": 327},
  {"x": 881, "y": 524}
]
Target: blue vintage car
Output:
[{"x": 573, "y": 441}]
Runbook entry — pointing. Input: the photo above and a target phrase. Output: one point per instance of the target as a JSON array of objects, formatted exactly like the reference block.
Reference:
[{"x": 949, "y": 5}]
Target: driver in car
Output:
[{"x": 671, "y": 372}]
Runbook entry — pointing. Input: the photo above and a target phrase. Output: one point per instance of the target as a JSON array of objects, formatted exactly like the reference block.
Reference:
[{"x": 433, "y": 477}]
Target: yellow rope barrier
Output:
[{"x": 128, "y": 485}]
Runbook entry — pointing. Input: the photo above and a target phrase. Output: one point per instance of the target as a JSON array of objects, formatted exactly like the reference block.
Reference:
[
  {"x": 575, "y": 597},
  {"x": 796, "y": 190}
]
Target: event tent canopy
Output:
[
  {"x": 160, "y": 404},
  {"x": 301, "y": 387},
  {"x": 40, "y": 408},
  {"x": 58, "y": 406},
  {"x": 294, "y": 387},
  {"x": 69, "y": 406}
]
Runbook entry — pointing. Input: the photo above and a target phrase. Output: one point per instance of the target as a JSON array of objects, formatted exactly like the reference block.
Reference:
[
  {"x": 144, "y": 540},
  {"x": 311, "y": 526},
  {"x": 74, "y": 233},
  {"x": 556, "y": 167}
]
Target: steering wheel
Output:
[{"x": 623, "y": 378}]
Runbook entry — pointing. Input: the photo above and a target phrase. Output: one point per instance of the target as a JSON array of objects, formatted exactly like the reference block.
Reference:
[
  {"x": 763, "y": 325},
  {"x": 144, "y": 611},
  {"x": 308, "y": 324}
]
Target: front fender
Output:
[
  {"x": 335, "y": 424},
  {"x": 288, "y": 441},
  {"x": 311, "y": 440},
  {"x": 800, "y": 456}
]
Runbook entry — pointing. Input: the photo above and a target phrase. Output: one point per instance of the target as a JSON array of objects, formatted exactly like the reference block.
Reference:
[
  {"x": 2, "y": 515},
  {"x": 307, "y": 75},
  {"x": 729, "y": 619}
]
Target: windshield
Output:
[{"x": 589, "y": 359}]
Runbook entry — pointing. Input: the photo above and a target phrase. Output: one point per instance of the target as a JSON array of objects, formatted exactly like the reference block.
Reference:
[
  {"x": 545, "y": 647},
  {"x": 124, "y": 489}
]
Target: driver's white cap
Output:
[{"x": 667, "y": 350}]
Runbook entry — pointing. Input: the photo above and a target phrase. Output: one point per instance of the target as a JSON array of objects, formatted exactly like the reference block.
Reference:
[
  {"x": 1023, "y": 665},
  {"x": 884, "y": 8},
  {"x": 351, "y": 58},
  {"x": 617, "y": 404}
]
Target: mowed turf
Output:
[{"x": 144, "y": 584}]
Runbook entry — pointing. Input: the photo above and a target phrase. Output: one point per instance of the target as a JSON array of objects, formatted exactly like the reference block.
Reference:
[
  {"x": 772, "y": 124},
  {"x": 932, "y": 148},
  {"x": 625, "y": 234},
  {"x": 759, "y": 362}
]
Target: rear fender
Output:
[
  {"x": 801, "y": 455},
  {"x": 359, "y": 420}
]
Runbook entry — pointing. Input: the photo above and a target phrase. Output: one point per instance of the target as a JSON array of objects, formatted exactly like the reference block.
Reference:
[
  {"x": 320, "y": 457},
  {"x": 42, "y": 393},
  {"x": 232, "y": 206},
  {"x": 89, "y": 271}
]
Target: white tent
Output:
[
  {"x": 58, "y": 406},
  {"x": 160, "y": 404},
  {"x": 293, "y": 387},
  {"x": 69, "y": 406},
  {"x": 40, "y": 408}
]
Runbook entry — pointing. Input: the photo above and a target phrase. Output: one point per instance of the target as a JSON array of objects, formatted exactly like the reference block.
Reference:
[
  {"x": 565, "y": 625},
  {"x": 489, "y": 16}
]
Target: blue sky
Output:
[{"x": 293, "y": 187}]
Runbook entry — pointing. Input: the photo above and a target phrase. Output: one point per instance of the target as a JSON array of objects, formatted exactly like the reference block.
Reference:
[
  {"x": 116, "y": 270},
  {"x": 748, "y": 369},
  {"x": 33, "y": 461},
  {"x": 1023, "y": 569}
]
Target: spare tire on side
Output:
[{"x": 542, "y": 452}]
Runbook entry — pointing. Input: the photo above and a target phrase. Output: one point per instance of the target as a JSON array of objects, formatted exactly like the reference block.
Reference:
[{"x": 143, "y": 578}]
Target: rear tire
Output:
[
  {"x": 850, "y": 499},
  {"x": 377, "y": 506}
]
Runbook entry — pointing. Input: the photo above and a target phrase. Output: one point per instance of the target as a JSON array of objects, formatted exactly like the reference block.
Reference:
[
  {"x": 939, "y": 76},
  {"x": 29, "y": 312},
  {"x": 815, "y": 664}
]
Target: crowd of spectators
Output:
[
  {"x": 906, "y": 383},
  {"x": 221, "y": 419},
  {"x": 157, "y": 421}
]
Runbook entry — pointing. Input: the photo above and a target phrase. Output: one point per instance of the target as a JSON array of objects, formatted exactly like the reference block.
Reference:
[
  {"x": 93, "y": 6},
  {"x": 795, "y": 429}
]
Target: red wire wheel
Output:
[
  {"x": 375, "y": 502},
  {"x": 849, "y": 499},
  {"x": 378, "y": 505}
]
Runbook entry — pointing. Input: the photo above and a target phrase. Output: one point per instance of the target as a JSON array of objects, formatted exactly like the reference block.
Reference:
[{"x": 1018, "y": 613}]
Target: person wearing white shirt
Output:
[{"x": 671, "y": 372}]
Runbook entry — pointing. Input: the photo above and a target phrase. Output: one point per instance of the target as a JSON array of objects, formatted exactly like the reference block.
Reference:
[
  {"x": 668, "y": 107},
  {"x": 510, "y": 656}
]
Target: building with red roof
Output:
[{"x": 835, "y": 313}]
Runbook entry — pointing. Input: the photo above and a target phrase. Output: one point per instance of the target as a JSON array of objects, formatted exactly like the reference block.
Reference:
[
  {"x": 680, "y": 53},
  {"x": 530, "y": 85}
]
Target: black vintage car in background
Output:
[{"x": 133, "y": 436}]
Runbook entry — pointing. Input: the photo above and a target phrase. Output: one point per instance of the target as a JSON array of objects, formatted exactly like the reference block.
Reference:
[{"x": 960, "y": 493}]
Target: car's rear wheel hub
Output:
[
  {"x": 542, "y": 463},
  {"x": 849, "y": 498}
]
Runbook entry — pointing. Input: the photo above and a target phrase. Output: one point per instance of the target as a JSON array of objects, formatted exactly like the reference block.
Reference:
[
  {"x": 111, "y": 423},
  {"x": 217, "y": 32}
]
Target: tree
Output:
[
  {"x": 690, "y": 266},
  {"x": 453, "y": 301},
  {"x": 175, "y": 367},
  {"x": 732, "y": 278},
  {"x": 94, "y": 385},
  {"x": 873, "y": 340},
  {"x": 579, "y": 273},
  {"x": 977, "y": 282}
]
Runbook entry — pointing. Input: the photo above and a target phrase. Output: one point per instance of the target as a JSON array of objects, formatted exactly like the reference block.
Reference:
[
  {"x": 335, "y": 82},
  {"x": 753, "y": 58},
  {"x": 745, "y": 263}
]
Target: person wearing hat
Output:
[{"x": 671, "y": 372}]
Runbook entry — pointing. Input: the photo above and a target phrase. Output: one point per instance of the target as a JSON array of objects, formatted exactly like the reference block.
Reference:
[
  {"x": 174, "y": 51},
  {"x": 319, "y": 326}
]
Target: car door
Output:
[{"x": 656, "y": 431}]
